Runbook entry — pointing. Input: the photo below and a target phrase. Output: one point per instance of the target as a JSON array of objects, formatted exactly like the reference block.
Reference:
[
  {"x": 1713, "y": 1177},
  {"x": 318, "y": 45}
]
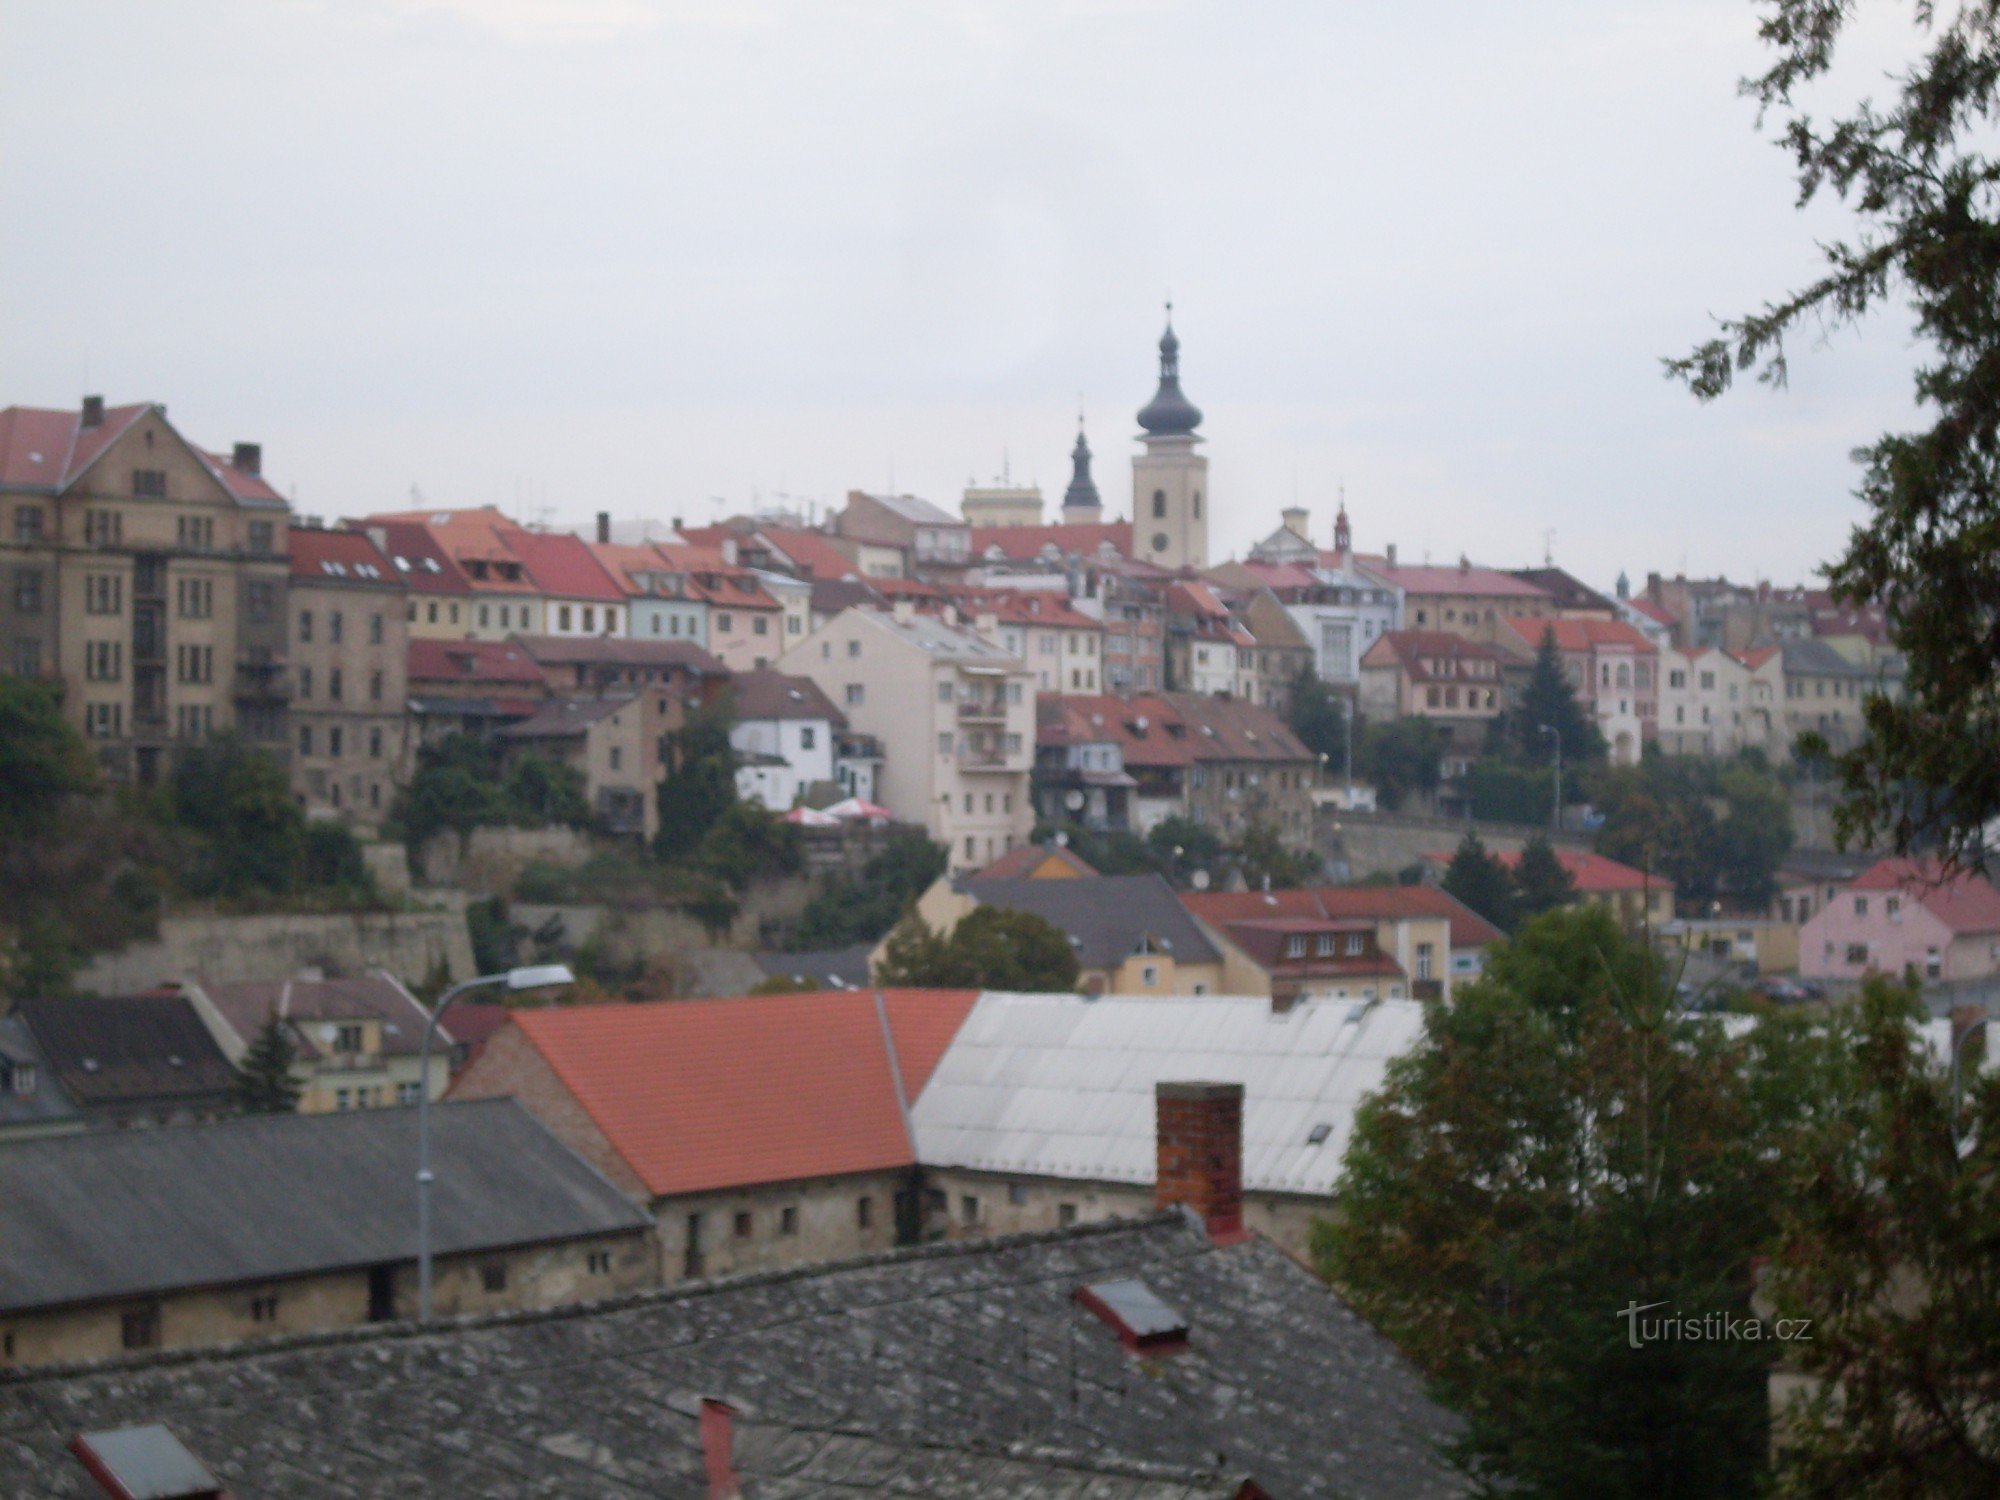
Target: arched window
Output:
[{"x": 1159, "y": 502}]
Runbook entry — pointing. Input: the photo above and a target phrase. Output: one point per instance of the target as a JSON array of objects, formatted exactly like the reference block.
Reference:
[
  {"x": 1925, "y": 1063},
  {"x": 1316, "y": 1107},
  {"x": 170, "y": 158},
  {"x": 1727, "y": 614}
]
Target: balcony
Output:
[
  {"x": 980, "y": 711},
  {"x": 993, "y": 760},
  {"x": 260, "y": 680}
]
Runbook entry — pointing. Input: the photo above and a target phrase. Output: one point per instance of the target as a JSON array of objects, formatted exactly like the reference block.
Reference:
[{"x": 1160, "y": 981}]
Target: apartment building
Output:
[
  {"x": 1208, "y": 651},
  {"x": 580, "y": 597},
  {"x": 501, "y": 597},
  {"x": 439, "y": 604},
  {"x": 145, "y": 574},
  {"x": 1466, "y": 600},
  {"x": 1340, "y": 609},
  {"x": 1454, "y": 682},
  {"x": 1824, "y": 693},
  {"x": 1718, "y": 702},
  {"x": 350, "y": 672},
  {"x": 659, "y": 604},
  {"x": 1062, "y": 647},
  {"x": 957, "y": 713},
  {"x": 1613, "y": 668},
  {"x": 930, "y": 541}
]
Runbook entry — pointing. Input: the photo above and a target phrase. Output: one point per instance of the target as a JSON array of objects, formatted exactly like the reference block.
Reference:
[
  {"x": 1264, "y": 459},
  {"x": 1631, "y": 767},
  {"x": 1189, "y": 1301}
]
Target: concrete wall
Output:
[
  {"x": 1015, "y": 1205},
  {"x": 410, "y": 945},
  {"x": 825, "y": 1224},
  {"x": 492, "y": 859},
  {"x": 532, "y": 1277},
  {"x": 1384, "y": 843}
]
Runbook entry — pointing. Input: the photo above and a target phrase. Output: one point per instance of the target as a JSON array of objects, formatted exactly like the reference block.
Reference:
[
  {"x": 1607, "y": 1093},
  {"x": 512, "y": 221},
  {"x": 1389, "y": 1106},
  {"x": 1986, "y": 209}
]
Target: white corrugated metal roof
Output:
[{"x": 1062, "y": 1086}]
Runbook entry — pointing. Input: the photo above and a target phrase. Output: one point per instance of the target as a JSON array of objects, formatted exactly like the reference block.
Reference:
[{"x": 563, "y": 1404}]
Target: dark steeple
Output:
[
  {"x": 1169, "y": 413},
  {"x": 1081, "y": 492}
]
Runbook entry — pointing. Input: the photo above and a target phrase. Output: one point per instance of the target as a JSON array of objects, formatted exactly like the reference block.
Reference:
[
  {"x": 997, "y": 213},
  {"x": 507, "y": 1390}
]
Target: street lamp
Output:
[
  {"x": 533, "y": 977},
  {"x": 1556, "y": 812},
  {"x": 1957, "y": 1056}
]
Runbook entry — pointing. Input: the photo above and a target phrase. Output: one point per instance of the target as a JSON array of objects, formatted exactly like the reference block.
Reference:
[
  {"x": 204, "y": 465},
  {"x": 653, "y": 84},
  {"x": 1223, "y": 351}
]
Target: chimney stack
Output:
[
  {"x": 1390, "y": 553},
  {"x": 604, "y": 526},
  {"x": 1295, "y": 519},
  {"x": 249, "y": 458},
  {"x": 1199, "y": 1145},
  {"x": 93, "y": 411},
  {"x": 717, "y": 1424},
  {"x": 902, "y": 611}
]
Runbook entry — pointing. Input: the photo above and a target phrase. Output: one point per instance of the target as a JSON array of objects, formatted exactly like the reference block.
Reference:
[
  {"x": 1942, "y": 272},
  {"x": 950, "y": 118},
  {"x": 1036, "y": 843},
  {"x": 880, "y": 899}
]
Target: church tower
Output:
[
  {"x": 1080, "y": 500},
  {"x": 1170, "y": 479}
]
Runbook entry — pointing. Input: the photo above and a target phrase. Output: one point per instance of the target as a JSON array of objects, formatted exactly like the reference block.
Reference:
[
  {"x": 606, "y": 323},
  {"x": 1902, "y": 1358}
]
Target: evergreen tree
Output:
[
  {"x": 262, "y": 1081},
  {"x": 1481, "y": 882},
  {"x": 1540, "y": 881},
  {"x": 1318, "y": 716},
  {"x": 1549, "y": 702},
  {"x": 991, "y": 948},
  {"x": 1400, "y": 759},
  {"x": 700, "y": 783}
]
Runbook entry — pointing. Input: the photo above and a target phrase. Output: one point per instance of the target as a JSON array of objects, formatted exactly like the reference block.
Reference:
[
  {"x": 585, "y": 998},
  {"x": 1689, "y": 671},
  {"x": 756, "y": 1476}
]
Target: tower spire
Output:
[
  {"x": 1169, "y": 413},
  {"x": 1082, "y": 492}
]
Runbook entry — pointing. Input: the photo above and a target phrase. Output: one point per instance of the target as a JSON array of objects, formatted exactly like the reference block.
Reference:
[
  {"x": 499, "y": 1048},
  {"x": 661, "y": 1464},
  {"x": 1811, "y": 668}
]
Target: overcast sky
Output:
[{"x": 636, "y": 255}]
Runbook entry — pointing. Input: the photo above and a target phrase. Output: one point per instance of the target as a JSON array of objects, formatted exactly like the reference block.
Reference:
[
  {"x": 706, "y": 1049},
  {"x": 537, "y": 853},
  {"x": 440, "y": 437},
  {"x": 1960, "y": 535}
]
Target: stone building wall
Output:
[{"x": 410, "y": 945}]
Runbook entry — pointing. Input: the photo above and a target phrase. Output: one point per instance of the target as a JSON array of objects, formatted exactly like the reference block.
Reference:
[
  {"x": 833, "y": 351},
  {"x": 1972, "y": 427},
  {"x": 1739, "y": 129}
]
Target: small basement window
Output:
[{"x": 1132, "y": 1310}]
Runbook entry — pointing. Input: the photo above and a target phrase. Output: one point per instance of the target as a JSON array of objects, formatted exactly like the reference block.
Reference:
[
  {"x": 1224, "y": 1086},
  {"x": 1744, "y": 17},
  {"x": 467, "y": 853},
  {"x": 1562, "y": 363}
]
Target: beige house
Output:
[
  {"x": 281, "y": 1225},
  {"x": 1061, "y": 646},
  {"x": 350, "y": 663},
  {"x": 614, "y": 739},
  {"x": 1716, "y": 702},
  {"x": 357, "y": 1042},
  {"x": 1131, "y": 936},
  {"x": 147, "y": 576},
  {"x": 956, "y": 714}
]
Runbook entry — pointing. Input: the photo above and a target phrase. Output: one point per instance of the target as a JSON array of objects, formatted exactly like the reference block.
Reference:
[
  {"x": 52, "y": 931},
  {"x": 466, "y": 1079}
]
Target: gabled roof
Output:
[
  {"x": 1965, "y": 902},
  {"x": 1592, "y": 873},
  {"x": 1414, "y": 652},
  {"x": 963, "y": 1369},
  {"x": 912, "y": 508},
  {"x": 1232, "y": 729},
  {"x": 932, "y": 636},
  {"x": 314, "y": 1006},
  {"x": 43, "y": 1106},
  {"x": 471, "y": 661},
  {"x": 1658, "y": 613},
  {"x": 1754, "y": 657},
  {"x": 1021, "y": 862},
  {"x": 476, "y": 537},
  {"x": 1267, "y": 941},
  {"x": 567, "y": 718},
  {"x": 1465, "y": 579},
  {"x": 831, "y": 595},
  {"x": 134, "y": 1050},
  {"x": 563, "y": 566},
  {"x": 130, "y": 1213},
  {"x": 1573, "y": 634},
  {"x": 1568, "y": 591},
  {"x": 1028, "y": 543},
  {"x": 619, "y": 651},
  {"x": 1106, "y": 918},
  {"x": 50, "y": 450},
  {"x": 1170, "y": 729},
  {"x": 1032, "y": 607},
  {"x": 766, "y": 693},
  {"x": 340, "y": 557},
  {"x": 706, "y": 1094},
  {"x": 810, "y": 554},
  {"x": 1380, "y": 903},
  {"x": 1813, "y": 657},
  {"x": 420, "y": 558}
]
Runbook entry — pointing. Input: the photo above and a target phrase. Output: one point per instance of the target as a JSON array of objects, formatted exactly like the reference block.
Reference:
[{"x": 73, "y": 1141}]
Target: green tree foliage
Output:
[
  {"x": 1889, "y": 1249},
  {"x": 1481, "y": 882},
  {"x": 1500, "y": 791},
  {"x": 1717, "y": 832},
  {"x": 847, "y": 911},
  {"x": 261, "y": 1083},
  {"x": 1318, "y": 716},
  {"x": 991, "y": 948},
  {"x": 1400, "y": 758},
  {"x": 496, "y": 939},
  {"x": 1540, "y": 881},
  {"x": 1181, "y": 846},
  {"x": 1109, "y": 851},
  {"x": 1267, "y": 864},
  {"x": 463, "y": 782},
  {"x": 44, "y": 764},
  {"x": 700, "y": 784},
  {"x": 540, "y": 790},
  {"x": 1561, "y": 1146},
  {"x": 749, "y": 843},
  {"x": 1548, "y": 702},
  {"x": 250, "y": 831},
  {"x": 1919, "y": 176}
]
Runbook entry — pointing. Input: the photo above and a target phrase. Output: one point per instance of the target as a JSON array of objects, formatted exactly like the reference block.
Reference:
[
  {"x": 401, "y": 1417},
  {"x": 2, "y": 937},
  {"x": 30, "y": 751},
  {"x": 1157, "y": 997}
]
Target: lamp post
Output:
[
  {"x": 534, "y": 977},
  {"x": 1957, "y": 1056},
  {"x": 1556, "y": 811},
  {"x": 1347, "y": 724}
]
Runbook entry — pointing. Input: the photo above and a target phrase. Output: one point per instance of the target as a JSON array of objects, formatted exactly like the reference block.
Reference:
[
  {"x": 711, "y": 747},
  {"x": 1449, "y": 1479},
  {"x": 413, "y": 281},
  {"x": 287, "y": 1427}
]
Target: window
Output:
[
  {"x": 1017, "y": 1193},
  {"x": 760, "y": 625},
  {"x": 745, "y": 1224},
  {"x": 334, "y": 625},
  {"x": 1423, "y": 961},
  {"x": 195, "y": 664},
  {"x": 150, "y": 484},
  {"x": 102, "y": 661},
  {"x": 1065, "y": 1214},
  {"x": 103, "y": 721},
  {"x": 1324, "y": 946},
  {"x": 28, "y": 590},
  {"x": 944, "y": 742},
  {"x": 262, "y": 536},
  {"x": 728, "y": 622},
  {"x": 806, "y": 737},
  {"x": 140, "y": 1329},
  {"x": 854, "y": 648},
  {"x": 590, "y": 619},
  {"x": 305, "y": 625},
  {"x": 264, "y": 1309},
  {"x": 1857, "y": 953},
  {"x": 944, "y": 692},
  {"x": 1159, "y": 503},
  {"x": 864, "y": 1212},
  {"x": 1149, "y": 974},
  {"x": 348, "y": 1039},
  {"x": 1295, "y": 947},
  {"x": 598, "y": 1262},
  {"x": 617, "y": 758},
  {"x": 28, "y": 523},
  {"x": 305, "y": 682},
  {"x": 1354, "y": 945},
  {"x": 374, "y": 687},
  {"x": 407, "y": 1093},
  {"x": 493, "y": 1276},
  {"x": 1933, "y": 964},
  {"x": 334, "y": 747},
  {"x": 333, "y": 684},
  {"x": 855, "y": 695},
  {"x": 788, "y": 1220},
  {"x": 103, "y": 528},
  {"x": 260, "y": 600},
  {"x": 196, "y": 533},
  {"x": 1860, "y": 906},
  {"x": 103, "y": 594},
  {"x": 194, "y": 598},
  {"x": 305, "y": 739},
  {"x": 968, "y": 1209}
]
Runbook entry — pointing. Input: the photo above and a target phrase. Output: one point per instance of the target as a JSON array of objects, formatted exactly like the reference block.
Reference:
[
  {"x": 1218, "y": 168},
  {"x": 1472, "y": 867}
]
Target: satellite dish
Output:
[
  {"x": 328, "y": 1033},
  {"x": 1062, "y": 841},
  {"x": 1199, "y": 880},
  {"x": 1073, "y": 800}
]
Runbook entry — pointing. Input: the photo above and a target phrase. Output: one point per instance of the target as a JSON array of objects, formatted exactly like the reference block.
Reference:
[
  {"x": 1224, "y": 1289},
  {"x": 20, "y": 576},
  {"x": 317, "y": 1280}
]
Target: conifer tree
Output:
[
  {"x": 263, "y": 1083},
  {"x": 1482, "y": 883},
  {"x": 1540, "y": 881}
]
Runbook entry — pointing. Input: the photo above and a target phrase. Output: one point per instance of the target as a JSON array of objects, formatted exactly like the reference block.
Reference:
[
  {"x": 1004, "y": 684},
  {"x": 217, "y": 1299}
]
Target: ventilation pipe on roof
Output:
[
  {"x": 1199, "y": 1154},
  {"x": 604, "y": 526},
  {"x": 93, "y": 411},
  {"x": 1390, "y": 553},
  {"x": 248, "y": 459}
]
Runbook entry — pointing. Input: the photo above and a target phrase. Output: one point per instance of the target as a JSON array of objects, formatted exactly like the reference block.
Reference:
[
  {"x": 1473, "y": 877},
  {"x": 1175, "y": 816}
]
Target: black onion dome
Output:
[
  {"x": 1169, "y": 413},
  {"x": 1082, "y": 490}
]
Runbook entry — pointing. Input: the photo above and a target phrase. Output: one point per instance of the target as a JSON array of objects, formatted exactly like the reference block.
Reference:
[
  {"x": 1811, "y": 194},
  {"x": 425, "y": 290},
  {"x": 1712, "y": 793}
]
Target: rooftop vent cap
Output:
[{"x": 1134, "y": 1312}]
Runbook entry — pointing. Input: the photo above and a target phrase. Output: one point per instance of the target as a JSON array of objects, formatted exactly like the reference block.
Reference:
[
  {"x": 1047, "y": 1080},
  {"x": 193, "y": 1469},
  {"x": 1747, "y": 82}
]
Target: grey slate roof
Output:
[
  {"x": 43, "y": 1106},
  {"x": 968, "y": 1347},
  {"x": 844, "y": 967},
  {"x": 1107, "y": 915},
  {"x": 1814, "y": 657},
  {"x": 131, "y": 1052},
  {"x": 86, "y": 1218}
]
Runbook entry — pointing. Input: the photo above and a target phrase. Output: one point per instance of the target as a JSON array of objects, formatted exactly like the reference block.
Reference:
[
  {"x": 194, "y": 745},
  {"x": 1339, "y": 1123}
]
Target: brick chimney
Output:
[
  {"x": 93, "y": 411},
  {"x": 1199, "y": 1144},
  {"x": 1296, "y": 519},
  {"x": 249, "y": 458},
  {"x": 604, "y": 526},
  {"x": 717, "y": 1424}
]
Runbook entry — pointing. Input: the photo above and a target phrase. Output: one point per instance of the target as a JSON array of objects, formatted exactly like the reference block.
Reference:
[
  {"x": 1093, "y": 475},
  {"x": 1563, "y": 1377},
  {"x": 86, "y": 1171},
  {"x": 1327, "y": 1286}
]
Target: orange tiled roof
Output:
[{"x": 698, "y": 1095}]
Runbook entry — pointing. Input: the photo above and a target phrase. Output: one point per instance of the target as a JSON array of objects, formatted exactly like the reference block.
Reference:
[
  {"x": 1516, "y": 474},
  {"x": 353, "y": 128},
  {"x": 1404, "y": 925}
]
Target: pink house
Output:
[{"x": 1904, "y": 914}]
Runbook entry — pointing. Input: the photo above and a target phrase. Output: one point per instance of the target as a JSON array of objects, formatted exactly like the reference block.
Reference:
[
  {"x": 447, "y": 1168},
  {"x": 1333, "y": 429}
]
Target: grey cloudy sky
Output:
[{"x": 635, "y": 254}]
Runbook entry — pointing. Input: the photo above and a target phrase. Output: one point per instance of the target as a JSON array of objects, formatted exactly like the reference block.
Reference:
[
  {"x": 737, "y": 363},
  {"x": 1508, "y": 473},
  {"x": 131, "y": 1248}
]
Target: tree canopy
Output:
[
  {"x": 1318, "y": 716},
  {"x": 1481, "y": 882},
  {"x": 1549, "y": 703},
  {"x": 991, "y": 948},
  {"x": 261, "y": 1082},
  {"x": 1919, "y": 176},
  {"x": 1400, "y": 758},
  {"x": 1540, "y": 881}
]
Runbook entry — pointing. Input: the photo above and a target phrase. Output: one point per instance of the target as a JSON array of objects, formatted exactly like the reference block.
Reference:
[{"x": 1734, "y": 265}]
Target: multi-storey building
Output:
[
  {"x": 1612, "y": 667},
  {"x": 1824, "y": 693},
  {"x": 439, "y": 606},
  {"x": 1454, "y": 682},
  {"x": 957, "y": 713},
  {"x": 927, "y": 540},
  {"x": 660, "y": 604},
  {"x": 1718, "y": 702},
  {"x": 1061, "y": 646},
  {"x": 579, "y": 595},
  {"x": 1208, "y": 651},
  {"x": 1340, "y": 609},
  {"x": 1465, "y": 600},
  {"x": 350, "y": 663},
  {"x": 502, "y": 598},
  {"x": 145, "y": 574}
]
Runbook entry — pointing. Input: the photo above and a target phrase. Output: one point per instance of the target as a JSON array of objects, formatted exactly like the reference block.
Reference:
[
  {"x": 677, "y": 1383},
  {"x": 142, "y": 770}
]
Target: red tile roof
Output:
[
  {"x": 1025, "y": 543},
  {"x": 1019, "y": 863},
  {"x": 471, "y": 661},
  {"x": 1465, "y": 579},
  {"x": 809, "y": 552},
  {"x": 1415, "y": 650},
  {"x": 1652, "y": 611},
  {"x": 1756, "y": 656},
  {"x": 1024, "y": 607},
  {"x": 700, "y": 1095},
  {"x": 1579, "y": 634},
  {"x": 1963, "y": 901},
  {"x": 340, "y": 557},
  {"x": 1593, "y": 874},
  {"x": 1379, "y": 903},
  {"x": 420, "y": 557},
  {"x": 479, "y": 535},
  {"x": 49, "y": 449},
  {"x": 563, "y": 565}
]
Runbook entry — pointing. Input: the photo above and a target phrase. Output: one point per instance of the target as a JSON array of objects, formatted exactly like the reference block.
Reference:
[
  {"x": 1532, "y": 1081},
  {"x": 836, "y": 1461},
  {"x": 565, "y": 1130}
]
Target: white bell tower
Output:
[{"x": 1170, "y": 479}]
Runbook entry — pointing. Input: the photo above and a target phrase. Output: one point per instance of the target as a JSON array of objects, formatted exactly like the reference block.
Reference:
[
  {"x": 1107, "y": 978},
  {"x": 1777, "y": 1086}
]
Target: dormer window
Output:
[{"x": 1295, "y": 947}]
